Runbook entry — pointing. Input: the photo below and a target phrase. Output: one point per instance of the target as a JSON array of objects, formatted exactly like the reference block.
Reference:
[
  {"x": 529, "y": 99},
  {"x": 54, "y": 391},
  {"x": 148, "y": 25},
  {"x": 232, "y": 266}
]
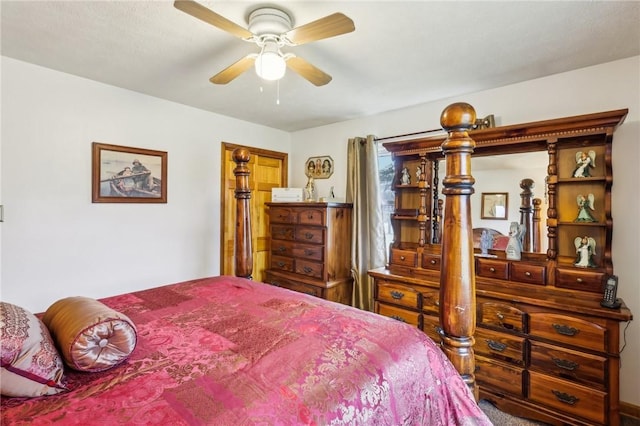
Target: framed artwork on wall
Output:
[
  {"x": 495, "y": 205},
  {"x": 319, "y": 167},
  {"x": 123, "y": 174}
]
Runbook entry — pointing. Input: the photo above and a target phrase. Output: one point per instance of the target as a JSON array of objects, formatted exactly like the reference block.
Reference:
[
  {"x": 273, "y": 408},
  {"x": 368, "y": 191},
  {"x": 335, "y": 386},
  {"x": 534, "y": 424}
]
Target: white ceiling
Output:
[{"x": 402, "y": 53}]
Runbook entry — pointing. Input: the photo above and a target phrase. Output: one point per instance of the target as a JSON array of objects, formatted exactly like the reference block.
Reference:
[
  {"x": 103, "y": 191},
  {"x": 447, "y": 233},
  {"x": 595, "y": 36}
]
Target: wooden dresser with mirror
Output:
[{"x": 545, "y": 348}]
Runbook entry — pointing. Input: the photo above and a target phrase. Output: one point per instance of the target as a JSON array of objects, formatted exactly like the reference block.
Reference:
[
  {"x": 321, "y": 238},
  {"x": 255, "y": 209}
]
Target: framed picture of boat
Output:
[{"x": 123, "y": 174}]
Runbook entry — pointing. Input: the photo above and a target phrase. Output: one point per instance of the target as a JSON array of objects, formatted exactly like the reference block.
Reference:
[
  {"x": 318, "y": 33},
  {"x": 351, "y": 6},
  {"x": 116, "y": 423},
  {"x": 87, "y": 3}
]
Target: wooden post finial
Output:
[
  {"x": 457, "y": 279},
  {"x": 459, "y": 116}
]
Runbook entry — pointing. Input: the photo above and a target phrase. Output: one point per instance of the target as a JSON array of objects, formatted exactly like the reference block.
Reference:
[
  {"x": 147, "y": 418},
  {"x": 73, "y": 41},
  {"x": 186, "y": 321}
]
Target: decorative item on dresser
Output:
[
  {"x": 311, "y": 249},
  {"x": 544, "y": 348}
]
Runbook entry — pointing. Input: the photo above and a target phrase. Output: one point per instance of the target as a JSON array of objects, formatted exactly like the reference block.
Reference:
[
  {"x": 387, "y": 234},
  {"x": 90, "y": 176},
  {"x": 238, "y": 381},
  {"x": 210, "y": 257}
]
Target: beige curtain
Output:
[{"x": 368, "y": 249}]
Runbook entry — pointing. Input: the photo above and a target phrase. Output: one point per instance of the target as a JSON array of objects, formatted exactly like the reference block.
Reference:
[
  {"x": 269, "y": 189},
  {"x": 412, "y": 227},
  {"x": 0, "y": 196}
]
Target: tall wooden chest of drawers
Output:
[{"x": 310, "y": 249}]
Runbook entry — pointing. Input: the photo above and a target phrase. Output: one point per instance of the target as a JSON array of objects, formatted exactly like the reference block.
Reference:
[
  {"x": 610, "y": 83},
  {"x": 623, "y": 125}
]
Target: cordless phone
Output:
[{"x": 609, "y": 297}]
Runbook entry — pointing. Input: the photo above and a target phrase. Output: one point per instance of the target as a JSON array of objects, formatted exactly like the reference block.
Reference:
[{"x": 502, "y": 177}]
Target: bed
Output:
[{"x": 230, "y": 351}]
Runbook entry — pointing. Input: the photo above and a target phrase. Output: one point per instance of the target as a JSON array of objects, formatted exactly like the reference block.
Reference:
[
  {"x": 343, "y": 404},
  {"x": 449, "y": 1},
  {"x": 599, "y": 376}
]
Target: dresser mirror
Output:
[{"x": 504, "y": 173}]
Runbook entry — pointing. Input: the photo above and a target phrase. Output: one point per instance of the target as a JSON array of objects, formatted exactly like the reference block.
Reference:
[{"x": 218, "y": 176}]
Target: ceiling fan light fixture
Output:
[{"x": 270, "y": 65}]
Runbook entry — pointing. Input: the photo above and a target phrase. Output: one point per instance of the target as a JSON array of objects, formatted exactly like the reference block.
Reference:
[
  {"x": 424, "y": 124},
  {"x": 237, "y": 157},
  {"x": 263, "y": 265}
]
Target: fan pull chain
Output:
[{"x": 278, "y": 92}]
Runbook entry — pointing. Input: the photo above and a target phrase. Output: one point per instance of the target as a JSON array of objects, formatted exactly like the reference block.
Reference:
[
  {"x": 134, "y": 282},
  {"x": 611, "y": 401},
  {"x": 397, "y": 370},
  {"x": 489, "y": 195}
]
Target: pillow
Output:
[
  {"x": 31, "y": 366},
  {"x": 90, "y": 335}
]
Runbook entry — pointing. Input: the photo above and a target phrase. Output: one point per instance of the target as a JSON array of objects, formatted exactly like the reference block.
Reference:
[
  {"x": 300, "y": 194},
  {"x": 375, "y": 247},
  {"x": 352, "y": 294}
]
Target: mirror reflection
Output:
[{"x": 522, "y": 178}]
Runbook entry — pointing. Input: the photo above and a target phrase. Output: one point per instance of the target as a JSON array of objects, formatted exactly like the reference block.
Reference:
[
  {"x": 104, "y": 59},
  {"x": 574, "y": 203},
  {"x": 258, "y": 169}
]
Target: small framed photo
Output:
[
  {"x": 495, "y": 205},
  {"x": 123, "y": 174},
  {"x": 319, "y": 167}
]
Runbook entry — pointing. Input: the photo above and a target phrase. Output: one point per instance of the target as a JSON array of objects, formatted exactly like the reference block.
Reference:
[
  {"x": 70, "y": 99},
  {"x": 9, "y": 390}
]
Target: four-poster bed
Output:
[{"x": 230, "y": 351}]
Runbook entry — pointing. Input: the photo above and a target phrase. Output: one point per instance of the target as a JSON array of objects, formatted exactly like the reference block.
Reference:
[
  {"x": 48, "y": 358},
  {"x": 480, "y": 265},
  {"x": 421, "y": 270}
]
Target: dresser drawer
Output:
[
  {"x": 528, "y": 273},
  {"x": 431, "y": 261},
  {"x": 431, "y": 302},
  {"x": 282, "y": 248},
  {"x": 398, "y": 294},
  {"x": 501, "y": 315},
  {"x": 282, "y": 263},
  {"x": 311, "y": 217},
  {"x": 499, "y": 375},
  {"x": 586, "y": 280},
  {"x": 282, "y": 232},
  {"x": 431, "y": 327},
  {"x": 570, "y": 330},
  {"x": 310, "y": 269},
  {"x": 492, "y": 269},
  {"x": 282, "y": 215},
  {"x": 403, "y": 257},
  {"x": 309, "y": 252},
  {"x": 504, "y": 346},
  {"x": 566, "y": 396},
  {"x": 295, "y": 286},
  {"x": 409, "y": 317},
  {"x": 568, "y": 364},
  {"x": 310, "y": 235}
]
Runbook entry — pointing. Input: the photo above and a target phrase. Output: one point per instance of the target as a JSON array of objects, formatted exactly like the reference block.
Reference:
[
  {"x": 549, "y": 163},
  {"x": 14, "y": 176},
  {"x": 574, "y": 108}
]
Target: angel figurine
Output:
[
  {"x": 584, "y": 163},
  {"x": 514, "y": 246},
  {"x": 585, "y": 207},
  {"x": 406, "y": 177},
  {"x": 585, "y": 250}
]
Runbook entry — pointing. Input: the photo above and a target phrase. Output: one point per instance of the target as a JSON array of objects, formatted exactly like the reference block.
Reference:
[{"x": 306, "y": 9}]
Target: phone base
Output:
[{"x": 611, "y": 305}]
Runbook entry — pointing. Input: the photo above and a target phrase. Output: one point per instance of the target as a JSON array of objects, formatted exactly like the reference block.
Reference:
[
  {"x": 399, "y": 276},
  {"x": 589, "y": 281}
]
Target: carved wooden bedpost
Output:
[
  {"x": 457, "y": 279},
  {"x": 243, "y": 247},
  {"x": 526, "y": 212}
]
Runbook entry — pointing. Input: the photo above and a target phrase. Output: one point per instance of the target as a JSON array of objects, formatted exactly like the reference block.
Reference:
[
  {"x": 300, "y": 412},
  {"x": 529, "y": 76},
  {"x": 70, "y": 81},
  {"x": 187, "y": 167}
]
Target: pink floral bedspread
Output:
[{"x": 228, "y": 351}]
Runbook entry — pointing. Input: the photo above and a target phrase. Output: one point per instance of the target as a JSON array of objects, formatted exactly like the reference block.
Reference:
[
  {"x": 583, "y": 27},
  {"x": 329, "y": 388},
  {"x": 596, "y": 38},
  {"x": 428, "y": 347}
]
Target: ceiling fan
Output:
[{"x": 271, "y": 29}]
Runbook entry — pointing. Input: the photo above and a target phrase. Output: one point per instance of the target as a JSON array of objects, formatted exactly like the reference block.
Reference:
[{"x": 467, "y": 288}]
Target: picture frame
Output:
[
  {"x": 319, "y": 167},
  {"x": 122, "y": 174},
  {"x": 495, "y": 205}
]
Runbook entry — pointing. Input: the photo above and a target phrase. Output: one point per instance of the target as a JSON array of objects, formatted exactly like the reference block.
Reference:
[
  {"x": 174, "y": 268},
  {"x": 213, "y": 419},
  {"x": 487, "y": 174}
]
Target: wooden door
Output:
[{"x": 268, "y": 169}]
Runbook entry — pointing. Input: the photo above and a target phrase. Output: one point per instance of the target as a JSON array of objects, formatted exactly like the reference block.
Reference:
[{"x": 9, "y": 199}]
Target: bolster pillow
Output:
[{"x": 90, "y": 335}]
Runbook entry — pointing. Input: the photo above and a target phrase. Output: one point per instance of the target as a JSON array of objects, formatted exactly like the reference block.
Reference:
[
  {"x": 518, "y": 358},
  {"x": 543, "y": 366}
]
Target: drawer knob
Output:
[
  {"x": 282, "y": 249},
  {"x": 281, "y": 264},
  {"x": 496, "y": 346},
  {"x": 500, "y": 315},
  {"x": 310, "y": 292},
  {"x": 402, "y": 258},
  {"x": 565, "y": 397},
  {"x": 276, "y": 283},
  {"x": 308, "y": 235},
  {"x": 308, "y": 252},
  {"x": 565, "y": 364},
  {"x": 397, "y": 294},
  {"x": 492, "y": 269},
  {"x": 397, "y": 318},
  {"x": 528, "y": 274},
  {"x": 579, "y": 280},
  {"x": 307, "y": 270},
  {"x": 433, "y": 262},
  {"x": 436, "y": 302},
  {"x": 565, "y": 330}
]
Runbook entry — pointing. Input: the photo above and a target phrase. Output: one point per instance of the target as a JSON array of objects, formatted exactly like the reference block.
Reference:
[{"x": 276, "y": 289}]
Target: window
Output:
[{"x": 387, "y": 195}]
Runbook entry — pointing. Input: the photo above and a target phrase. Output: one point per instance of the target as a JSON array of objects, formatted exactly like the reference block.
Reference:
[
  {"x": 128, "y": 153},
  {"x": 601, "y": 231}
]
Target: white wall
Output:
[
  {"x": 604, "y": 87},
  {"x": 55, "y": 242}
]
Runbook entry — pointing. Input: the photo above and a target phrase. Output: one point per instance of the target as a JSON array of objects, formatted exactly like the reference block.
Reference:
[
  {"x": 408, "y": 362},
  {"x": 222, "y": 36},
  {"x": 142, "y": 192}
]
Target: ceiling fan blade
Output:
[
  {"x": 207, "y": 15},
  {"x": 308, "y": 71},
  {"x": 326, "y": 27},
  {"x": 233, "y": 71}
]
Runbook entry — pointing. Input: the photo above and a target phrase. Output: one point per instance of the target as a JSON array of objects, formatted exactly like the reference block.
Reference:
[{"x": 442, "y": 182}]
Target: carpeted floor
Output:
[{"x": 498, "y": 418}]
